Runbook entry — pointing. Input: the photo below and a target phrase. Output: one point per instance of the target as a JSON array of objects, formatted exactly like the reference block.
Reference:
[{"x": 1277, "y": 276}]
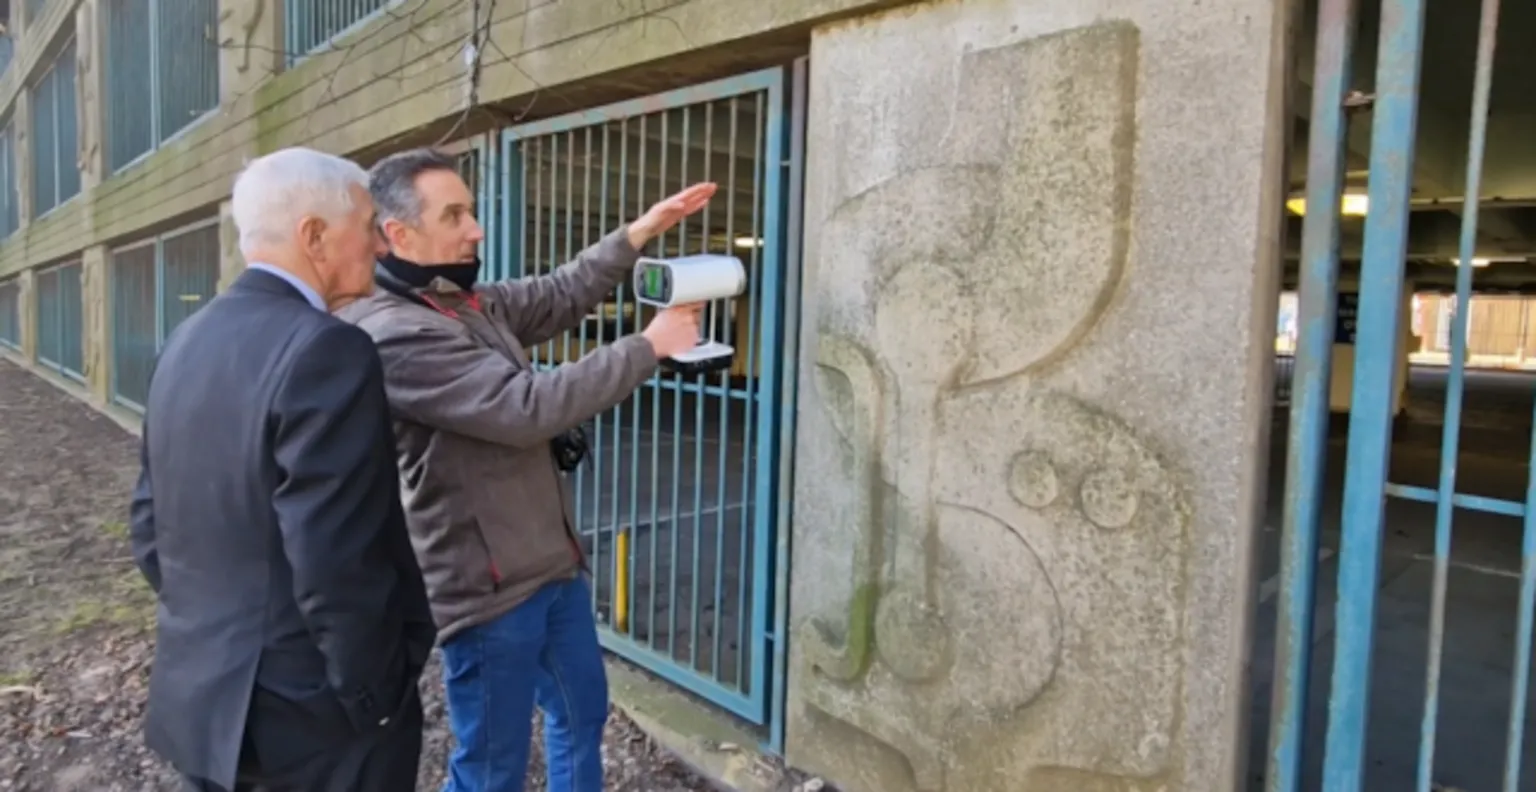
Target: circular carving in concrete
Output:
[
  {"x": 911, "y": 636},
  {"x": 1033, "y": 481},
  {"x": 1108, "y": 498}
]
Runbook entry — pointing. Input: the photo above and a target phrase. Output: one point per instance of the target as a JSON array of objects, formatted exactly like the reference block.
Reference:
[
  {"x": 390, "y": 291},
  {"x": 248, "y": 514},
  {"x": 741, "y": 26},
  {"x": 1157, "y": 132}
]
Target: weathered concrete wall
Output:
[
  {"x": 96, "y": 335},
  {"x": 91, "y": 109},
  {"x": 1024, "y": 507}
]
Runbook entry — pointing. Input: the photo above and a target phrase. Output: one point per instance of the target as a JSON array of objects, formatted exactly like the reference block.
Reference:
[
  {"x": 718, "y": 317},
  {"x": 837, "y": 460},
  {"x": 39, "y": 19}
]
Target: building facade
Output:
[{"x": 936, "y": 529}]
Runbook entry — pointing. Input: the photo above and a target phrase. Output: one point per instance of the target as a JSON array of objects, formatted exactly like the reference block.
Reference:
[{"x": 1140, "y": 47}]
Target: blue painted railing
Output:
[
  {"x": 162, "y": 73},
  {"x": 310, "y": 25},
  {"x": 1394, "y": 119},
  {"x": 10, "y": 313},
  {"x": 155, "y": 285},
  {"x": 678, "y": 506}
]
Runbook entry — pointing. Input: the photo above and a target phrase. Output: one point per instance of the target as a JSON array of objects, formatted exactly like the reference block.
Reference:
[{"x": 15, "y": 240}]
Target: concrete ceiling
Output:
[{"x": 1507, "y": 217}]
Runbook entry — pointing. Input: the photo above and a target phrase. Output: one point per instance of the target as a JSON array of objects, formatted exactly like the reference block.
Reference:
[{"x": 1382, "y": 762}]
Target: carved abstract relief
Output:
[
  {"x": 980, "y": 613},
  {"x": 241, "y": 31},
  {"x": 1111, "y": 518}
]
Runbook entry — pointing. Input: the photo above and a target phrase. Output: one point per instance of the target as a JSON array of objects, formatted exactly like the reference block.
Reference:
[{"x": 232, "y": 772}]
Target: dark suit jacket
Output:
[{"x": 267, "y": 519}]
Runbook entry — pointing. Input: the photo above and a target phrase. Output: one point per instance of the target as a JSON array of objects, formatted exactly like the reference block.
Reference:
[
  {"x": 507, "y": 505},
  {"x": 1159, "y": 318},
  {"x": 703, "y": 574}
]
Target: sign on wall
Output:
[{"x": 1344, "y": 318}]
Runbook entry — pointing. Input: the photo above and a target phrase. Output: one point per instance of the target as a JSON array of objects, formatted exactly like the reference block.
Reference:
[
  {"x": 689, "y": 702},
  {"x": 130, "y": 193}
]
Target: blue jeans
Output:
[{"x": 544, "y": 650}]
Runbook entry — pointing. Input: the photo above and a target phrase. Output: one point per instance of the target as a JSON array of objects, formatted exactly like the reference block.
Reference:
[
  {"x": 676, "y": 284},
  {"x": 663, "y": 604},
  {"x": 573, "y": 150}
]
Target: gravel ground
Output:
[{"x": 76, "y": 618}]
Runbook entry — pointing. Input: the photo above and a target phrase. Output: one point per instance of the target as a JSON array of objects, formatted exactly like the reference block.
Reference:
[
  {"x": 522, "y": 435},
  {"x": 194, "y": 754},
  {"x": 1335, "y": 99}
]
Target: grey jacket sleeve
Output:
[
  {"x": 542, "y": 307},
  {"x": 442, "y": 379}
]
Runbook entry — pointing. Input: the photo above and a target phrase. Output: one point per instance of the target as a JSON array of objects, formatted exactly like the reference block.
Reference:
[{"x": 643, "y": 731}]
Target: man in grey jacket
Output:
[{"x": 479, "y": 435}]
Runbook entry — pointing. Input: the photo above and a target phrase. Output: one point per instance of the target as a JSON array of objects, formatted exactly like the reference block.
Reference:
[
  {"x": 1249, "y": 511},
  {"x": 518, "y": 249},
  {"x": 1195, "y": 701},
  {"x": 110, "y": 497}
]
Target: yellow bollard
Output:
[{"x": 621, "y": 582}]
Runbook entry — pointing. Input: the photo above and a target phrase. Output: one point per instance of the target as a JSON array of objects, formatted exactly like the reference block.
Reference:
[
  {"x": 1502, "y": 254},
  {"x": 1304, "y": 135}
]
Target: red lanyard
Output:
[{"x": 473, "y": 300}]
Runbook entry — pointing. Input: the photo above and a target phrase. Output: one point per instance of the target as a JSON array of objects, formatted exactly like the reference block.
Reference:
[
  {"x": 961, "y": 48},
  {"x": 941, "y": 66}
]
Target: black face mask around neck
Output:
[{"x": 418, "y": 276}]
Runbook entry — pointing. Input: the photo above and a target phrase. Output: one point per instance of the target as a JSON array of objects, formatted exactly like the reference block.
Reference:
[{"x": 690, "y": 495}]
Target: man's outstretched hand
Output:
[{"x": 669, "y": 212}]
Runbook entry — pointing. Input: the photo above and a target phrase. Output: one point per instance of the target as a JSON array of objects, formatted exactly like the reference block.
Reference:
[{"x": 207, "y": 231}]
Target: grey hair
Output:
[
  {"x": 392, "y": 182},
  {"x": 276, "y": 191}
]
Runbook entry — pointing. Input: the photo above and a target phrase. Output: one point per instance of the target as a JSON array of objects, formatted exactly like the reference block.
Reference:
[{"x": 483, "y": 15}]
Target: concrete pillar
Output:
[
  {"x": 91, "y": 88},
  {"x": 95, "y": 295},
  {"x": 27, "y": 296},
  {"x": 21, "y": 22},
  {"x": 1023, "y": 534},
  {"x": 250, "y": 45},
  {"x": 21, "y": 121},
  {"x": 231, "y": 263}
]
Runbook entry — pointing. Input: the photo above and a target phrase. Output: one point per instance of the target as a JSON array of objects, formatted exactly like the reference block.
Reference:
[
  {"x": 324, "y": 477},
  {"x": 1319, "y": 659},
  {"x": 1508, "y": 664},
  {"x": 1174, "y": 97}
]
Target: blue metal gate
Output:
[
  {"x": 1394, "y": 131},
  {"x": 678, "y": 507}
]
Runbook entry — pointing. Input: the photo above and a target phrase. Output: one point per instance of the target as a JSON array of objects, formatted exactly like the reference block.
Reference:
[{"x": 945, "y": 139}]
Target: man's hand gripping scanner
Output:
[{"x": 664, "y": 283}]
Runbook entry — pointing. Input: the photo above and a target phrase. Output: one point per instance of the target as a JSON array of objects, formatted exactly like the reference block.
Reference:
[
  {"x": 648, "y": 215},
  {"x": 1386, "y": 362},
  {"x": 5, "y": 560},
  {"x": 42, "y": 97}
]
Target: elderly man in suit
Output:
[{"x": 292, "y": 621}]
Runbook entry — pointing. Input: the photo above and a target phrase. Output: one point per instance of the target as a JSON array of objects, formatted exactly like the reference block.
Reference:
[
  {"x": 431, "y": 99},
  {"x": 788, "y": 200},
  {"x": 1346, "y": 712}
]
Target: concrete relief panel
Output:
[
  {"x": 250, "y": 45},
  {"x": 1012, "y": 616},
  {"x": 89, "y": 156},
  {"x": 21, "y": 155}
]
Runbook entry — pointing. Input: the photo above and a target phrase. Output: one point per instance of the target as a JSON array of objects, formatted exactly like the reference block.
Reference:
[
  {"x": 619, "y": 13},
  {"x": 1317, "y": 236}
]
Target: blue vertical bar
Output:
[
  {"x": 513, "y": 224},
  {"x": 699, "y": 397},
  {"x": 1307, "y": 449},
  {"x": 634, "y": 400},
  {"x": 650, "y": 618},
  {"x": 1515, "y": 742},
  {"x": 771, "y": 265},
  {"x": 551, "y": 258},
  {"x": 1451, "y": 437},
  {"x": 599, "y": 450},
  {"x": 485, "y": 192},
  {"x": 752, "y": 435},
  {"x": 1381, "y": 284},
  {"x": 674, "y": 521},
  {"x": 578, "y": 477},
  {"x": 725, "y": 406},
  {"x": 722, "y": 472}
]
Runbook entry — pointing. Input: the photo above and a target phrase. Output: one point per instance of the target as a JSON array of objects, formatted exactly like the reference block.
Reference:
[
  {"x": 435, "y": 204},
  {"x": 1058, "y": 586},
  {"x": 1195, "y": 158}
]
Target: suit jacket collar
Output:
[{"x": 254, "y": 280}]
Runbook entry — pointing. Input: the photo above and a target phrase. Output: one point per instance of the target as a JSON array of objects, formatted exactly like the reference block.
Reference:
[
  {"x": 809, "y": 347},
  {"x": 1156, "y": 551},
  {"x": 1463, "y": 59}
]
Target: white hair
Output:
[{"x": 275, "y": 191}]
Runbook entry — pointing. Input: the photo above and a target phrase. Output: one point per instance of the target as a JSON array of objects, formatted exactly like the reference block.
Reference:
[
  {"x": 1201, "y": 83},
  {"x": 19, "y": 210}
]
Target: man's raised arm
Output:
[
  {"x": 440, "y": 378},
  {"x": 536, "y": 309}
]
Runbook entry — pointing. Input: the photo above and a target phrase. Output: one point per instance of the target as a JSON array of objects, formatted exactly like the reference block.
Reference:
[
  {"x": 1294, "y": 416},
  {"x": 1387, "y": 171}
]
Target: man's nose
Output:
[{"x": 476, "y": 233}]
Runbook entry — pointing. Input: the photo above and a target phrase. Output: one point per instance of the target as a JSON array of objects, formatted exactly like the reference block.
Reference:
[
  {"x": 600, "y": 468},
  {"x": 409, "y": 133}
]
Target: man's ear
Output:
[
  {"x": 394, "y": 232},
  {"x": 312, "y": 234}
]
